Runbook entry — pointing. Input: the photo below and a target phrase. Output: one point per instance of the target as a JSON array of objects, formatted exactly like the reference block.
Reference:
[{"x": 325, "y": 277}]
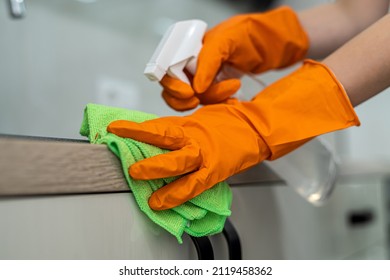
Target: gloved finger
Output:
[
  {"x": 210, "y": 59},
  {"x": 177, "y": 88},
  {"x": 180, "y": 104},
  {"x": 161, "y": 132},
  {"x": 219, "y": 91},
  {"x": 170, "y": 164},
  {"x": 180, "y": 191}
]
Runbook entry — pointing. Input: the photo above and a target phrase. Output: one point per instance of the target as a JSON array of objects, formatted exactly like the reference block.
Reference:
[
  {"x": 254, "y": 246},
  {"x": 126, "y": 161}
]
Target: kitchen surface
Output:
[{"x": 58, "y": 56}]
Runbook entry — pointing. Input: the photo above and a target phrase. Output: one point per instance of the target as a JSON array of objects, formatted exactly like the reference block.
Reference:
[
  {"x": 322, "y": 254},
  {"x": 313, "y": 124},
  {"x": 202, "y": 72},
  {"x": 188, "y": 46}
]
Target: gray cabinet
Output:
[{"x": 85, "y": 219}]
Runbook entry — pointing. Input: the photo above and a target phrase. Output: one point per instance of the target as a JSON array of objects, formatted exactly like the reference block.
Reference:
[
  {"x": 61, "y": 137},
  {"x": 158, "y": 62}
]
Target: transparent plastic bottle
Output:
[{"x": 311, "y": 170}]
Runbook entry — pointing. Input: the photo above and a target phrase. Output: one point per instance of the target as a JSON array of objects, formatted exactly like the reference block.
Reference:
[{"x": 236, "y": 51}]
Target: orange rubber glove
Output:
[
  {"x": 248, "y": 43},
  {"x": 218, "y": 141}
]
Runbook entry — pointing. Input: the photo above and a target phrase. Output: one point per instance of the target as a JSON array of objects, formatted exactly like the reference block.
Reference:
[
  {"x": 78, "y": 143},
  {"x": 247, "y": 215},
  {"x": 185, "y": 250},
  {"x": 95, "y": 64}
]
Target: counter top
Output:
[{"x": 47, "y": 166}]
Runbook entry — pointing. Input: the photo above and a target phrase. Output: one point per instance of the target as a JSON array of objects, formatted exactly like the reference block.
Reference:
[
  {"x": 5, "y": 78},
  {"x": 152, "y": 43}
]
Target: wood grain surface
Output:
[
  {"x": 29, "y": 166},
  {"x": 45, "y": 166}
]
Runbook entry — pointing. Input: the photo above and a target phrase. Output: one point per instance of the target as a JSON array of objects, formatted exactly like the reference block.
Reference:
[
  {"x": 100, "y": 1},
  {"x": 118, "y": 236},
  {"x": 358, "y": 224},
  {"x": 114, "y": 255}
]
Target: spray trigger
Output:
[{"x": 177, "y": 50}]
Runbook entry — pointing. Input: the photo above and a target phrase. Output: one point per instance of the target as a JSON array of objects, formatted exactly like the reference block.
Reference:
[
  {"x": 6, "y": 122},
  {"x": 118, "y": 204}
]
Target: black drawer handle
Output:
[
  {"x": 233, "y": 241},
  {"x": 203, "y": 247},
  {"x": 360, "y": 217}
]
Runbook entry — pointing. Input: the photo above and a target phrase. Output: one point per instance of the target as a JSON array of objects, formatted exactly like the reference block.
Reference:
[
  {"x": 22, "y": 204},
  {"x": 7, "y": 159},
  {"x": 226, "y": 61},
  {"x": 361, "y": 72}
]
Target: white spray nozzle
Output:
[{"x": 177, "y": 50}]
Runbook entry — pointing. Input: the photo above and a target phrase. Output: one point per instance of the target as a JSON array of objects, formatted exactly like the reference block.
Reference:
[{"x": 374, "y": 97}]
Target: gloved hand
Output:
[
  {"x": 181, "y": 97},
  {"x": 248, "y": 43},
  {"x": 218, "y": 141}
]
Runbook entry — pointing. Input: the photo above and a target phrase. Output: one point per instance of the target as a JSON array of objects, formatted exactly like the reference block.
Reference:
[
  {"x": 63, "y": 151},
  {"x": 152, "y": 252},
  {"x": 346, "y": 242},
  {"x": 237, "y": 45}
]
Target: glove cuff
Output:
[{"x": 307, "y": 103}]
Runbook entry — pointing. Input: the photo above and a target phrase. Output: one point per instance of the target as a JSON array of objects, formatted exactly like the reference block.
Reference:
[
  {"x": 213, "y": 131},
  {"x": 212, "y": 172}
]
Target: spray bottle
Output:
[
  {"x": 311, "y": 170},
  {"x": 178, "y": 49}
]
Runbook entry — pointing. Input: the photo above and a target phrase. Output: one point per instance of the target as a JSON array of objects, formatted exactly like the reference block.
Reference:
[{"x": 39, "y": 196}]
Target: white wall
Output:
[{"x": 65, "y": 54}]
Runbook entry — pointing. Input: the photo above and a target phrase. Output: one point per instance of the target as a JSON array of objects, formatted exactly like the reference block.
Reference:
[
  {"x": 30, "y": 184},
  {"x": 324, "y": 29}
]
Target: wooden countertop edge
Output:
[{"x": 44, "y": 166}]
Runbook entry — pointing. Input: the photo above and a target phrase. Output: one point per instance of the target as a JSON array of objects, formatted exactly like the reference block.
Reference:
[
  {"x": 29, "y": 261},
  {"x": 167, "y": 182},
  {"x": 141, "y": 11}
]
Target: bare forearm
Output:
[
  {"x": 330, "y": 25},
  {"x": 363, "y": 64}
]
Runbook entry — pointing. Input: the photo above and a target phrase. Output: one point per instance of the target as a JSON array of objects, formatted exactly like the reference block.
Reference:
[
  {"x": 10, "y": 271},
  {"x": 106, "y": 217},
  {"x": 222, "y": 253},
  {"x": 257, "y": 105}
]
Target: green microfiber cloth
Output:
[{"x": 203, "y": 215}]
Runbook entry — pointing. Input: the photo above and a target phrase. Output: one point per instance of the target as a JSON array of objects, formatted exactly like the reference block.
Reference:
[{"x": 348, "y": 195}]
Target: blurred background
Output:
[
  {"x": 62, "y": 55},
  {"x": 59, "y": 55}
]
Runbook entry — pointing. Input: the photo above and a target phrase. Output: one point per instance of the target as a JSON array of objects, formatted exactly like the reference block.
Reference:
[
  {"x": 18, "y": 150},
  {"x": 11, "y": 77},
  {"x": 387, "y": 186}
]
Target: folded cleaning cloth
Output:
[{"x": 203, "y": 215}]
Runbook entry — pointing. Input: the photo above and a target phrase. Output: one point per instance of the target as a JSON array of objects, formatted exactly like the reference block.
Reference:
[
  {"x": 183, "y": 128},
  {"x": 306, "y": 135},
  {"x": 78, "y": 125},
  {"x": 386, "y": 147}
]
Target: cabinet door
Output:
[
  {"x": 100, "y": 226},
  {"x": 274, "y": 222}
]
